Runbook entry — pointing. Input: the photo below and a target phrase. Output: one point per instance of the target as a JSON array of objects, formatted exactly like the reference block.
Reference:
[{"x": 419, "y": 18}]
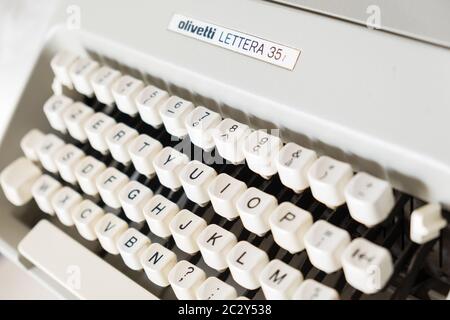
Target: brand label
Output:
[{"x": 252, "y": 46}]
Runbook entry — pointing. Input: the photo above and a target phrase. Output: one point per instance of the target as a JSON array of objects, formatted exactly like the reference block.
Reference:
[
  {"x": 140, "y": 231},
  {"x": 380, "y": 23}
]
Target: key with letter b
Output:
[{"x": 131, "y": 244}]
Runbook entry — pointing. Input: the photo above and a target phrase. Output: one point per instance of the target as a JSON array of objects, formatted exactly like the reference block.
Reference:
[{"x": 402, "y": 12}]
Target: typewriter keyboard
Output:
[{"x": 170, "y": 200}]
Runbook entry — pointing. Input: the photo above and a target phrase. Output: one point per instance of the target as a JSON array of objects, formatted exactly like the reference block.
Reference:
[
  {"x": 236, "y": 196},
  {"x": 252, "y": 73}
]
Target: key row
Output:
[
  {"x": 369, "y": 199},
  {"x": 258, "y": 211},
  {"x": 230, "y": 197},
  {"x": 366, "y": 266}
]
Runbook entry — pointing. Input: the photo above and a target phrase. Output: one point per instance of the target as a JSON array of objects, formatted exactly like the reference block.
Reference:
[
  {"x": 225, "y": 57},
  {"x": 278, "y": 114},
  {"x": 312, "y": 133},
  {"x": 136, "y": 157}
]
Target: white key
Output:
[
  {"x": 224, "y": 190},
  {"x": 108, "y": 230},
  {"x": 173, "y": 114},
  {"x": 426, "y": 223},
  {"x": 118, "y": 137},
  {"x": 64, "y": 202},
  {"x": 369, "y": 199},
  {"x": 312, "y": 290},
  {"x": 60, "y": 64},
  {"x": 215, "y": 289},
  {"x": 66, "y": 159},
  {"x": 289, "y": 224},
  {"x": 143, "y": 150},
  {"x": 158, "y": 213},
  {"x": 324, "y": 243},
  {"x": 229, "y": 138},
  {"x": 80, "y": 73},
  {"x": 86, "y": 172},
  {"x": 367, "y": 266},
  {"x": 43, "y": 190},
  {"x": 85, "y": 216},
  {"x": 157, "y": 262},
  {"x": 279, "y": 280},
  {"x": 30, "y": 143},
  {"x": 17, "y": 180},
  {"x": 47, "y": 149},
  {"x": 133, "y": 196},
  {"x": 54, "y": 109},
  {"x": 168, "y": 164},
  {"x": 254, "y": 207},
  {"x": 124, "y": 91},
  {"x": 74, "y": 117},
  {"x": 109, "y": 183},
  {"x": 185, "y": 228},
  {"x": 328, "y": 178},
  {"x": 293, "y": 163},
  {"x": 215, "y": 242},
  {"x": 67, "y": 257},
  {"x": 195, "y": 178},
  {"x": 185, "y": 278},
  {"x": 102, "y": 81},
  {"x": 96, "y": 127},
  {"x": 200, "y": 123},
  {"x": 246, "y": 263},
  {"x": 261, "y": 151},
  {"x": 131, "y": 244},
  {"x": 148, "y": 103}
]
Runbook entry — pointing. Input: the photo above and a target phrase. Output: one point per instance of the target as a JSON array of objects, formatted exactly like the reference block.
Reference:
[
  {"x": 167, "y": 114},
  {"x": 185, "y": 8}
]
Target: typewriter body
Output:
[{"x": 361, "y": 100}]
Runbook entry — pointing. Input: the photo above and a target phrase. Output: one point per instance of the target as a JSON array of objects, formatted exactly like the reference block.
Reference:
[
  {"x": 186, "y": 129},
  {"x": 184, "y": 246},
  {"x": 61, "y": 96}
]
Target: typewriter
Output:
[{"x": 193, "y": 149}]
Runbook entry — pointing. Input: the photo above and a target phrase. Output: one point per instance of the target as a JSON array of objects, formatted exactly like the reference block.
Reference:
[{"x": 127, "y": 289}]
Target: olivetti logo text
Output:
[
  {"x": 234, "y": 40},
  {"x": 189, "y": 26}
]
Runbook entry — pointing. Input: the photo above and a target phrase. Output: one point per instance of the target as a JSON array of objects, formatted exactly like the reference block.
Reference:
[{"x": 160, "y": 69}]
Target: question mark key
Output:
[{"x": 185, "y": 278}]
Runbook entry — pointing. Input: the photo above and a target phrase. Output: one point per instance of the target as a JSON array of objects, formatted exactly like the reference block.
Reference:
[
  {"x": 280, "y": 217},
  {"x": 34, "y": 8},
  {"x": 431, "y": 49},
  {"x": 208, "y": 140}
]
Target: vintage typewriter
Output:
[{"x": 230, "y": 150}]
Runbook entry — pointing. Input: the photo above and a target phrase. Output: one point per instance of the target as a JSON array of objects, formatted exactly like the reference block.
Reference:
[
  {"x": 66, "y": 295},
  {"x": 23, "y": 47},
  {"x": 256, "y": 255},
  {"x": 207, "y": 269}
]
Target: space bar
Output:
[{"x": 76, "y": 268}]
